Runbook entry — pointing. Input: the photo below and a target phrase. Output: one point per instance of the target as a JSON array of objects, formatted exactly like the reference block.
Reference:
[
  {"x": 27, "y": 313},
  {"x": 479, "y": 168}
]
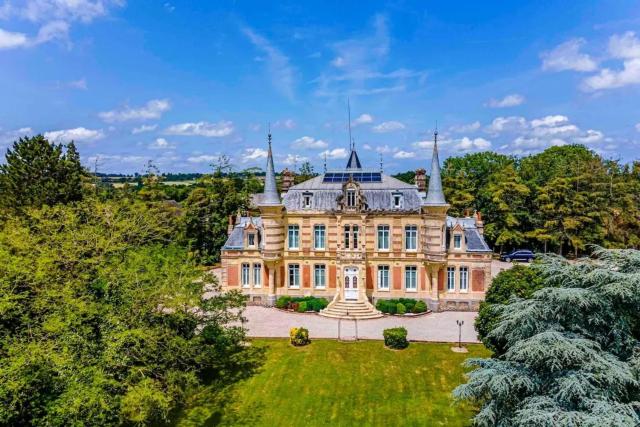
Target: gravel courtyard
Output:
[{"x": 434, "y": 327}]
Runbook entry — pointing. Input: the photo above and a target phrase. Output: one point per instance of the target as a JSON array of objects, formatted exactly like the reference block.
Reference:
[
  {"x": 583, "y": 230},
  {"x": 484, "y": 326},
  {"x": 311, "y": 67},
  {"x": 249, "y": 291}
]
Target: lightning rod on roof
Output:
[{"x": 351, "y": 144}]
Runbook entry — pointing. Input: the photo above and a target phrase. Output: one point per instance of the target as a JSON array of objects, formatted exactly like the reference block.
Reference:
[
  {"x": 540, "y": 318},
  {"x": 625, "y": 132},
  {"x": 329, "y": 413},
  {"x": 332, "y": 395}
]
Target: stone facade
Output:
[{"x": 358, "y": 235}]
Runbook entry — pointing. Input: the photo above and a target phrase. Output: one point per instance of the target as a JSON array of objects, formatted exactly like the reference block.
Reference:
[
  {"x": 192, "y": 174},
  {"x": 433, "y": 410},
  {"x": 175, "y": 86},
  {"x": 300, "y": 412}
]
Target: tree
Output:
[
  {"x": 508, "y": 210},
  {"x": 102, "y": 320},
  {"x": 38, "y": 173},
  {"x": 520, "y": 282},
  {"x": 570, "y": 351}
]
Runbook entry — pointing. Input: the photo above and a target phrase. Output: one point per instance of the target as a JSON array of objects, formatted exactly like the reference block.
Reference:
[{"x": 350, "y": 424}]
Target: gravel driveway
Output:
[{"x": 436, "y": 327}]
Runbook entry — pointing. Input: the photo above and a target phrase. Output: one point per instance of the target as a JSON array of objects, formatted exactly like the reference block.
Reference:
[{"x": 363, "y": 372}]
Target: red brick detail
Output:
[
  {"x": 282, "y": 276},
  {"x": 370, "y": 276},
  {"x": 441, "y": 280},
  {"x": 306, "y": 276},
  {"x": 332, "y": 276},
  {"x": 232, "y": 275},
  {"x": 397, "y": 277},
  {"x": 477, "y": 280}
]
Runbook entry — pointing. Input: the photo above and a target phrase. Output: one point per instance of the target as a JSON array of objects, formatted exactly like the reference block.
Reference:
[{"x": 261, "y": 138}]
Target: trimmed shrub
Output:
[
  {"x": 400, "y": 308},
  {"x": 302, "y": 307},
  {"x": 395, "y": 338},
  {"x": 381, "y": 306},
  {"x": 299, "y": 336},
  {"x": 420, "y": 307},
  {"x": 283, "y": 302},
  {"x": 317, "y": 304},
  {"x": 392, "y": 307}
]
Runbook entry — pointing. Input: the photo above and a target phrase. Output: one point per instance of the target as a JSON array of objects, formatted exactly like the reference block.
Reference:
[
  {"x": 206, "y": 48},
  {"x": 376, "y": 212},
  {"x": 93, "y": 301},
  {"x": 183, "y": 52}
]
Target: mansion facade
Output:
[{"x": 355, "y": 236}]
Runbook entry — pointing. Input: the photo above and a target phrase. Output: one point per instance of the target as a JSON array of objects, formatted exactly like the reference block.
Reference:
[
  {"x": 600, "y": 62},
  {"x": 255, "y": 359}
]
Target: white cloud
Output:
[
  {"x": 425, "y": 144},
  {"x": 475, "y": 144},
  {"x": 611, "y": 79},
  {"x": 161, "y": 144},
  {"x": 362, "y": 119},
  {"x": 638, "y": 126},
  {"x": 567, "y": 56},
  {"x": 202, "y": 158},
  {"x": 254, "y": 154},
  {"x": 9, "y": 40},
  {"x": 151, "y": 110},
  {"x": 507, "y": 124},
  {"x": 143, "y": 129},
  {"x": 384, "y": 149},
  {"x": 309, "y": 142},
  {"x": 294, "y": 159},
  {"x": 555, "y": 120},
  {"x": 626, "y": 46},
  {"x": 13, "y": 135},
  {"x": 336, "y": 153},
  {"x": 77, "y": 134},
  {"x": 404, "y": 155},
  {"x": 51, "y": 31},
  {"x": 389, "y": 126},
  {"x": 285, "y": 124},
  {"x": 278, "y": 66},
  {"x": 591, "y": 137},
  {"x": 116, "y": 158},
  {"x": 471, "y": 127},
  {"x": 80, "y": 84},
  {"x": 511, "y": 100},
  {"x": 212, "y": 130}
]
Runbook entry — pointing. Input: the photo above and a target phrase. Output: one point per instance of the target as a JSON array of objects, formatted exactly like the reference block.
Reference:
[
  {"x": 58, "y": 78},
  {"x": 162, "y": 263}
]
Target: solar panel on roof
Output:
[{"x": 339, "y": 177}]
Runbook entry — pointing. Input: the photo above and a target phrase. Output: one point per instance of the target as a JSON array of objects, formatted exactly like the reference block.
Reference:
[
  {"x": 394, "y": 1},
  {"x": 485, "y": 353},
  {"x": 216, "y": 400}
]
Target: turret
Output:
[{"x": 434, "y": 210}]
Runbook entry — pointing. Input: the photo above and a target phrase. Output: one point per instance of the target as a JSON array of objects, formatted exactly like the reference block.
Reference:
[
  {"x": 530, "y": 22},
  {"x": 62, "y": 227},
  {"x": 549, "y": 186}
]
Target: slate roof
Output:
[
  {"x": 236, "y": 238},
  {"x": 474, "y": 240}
]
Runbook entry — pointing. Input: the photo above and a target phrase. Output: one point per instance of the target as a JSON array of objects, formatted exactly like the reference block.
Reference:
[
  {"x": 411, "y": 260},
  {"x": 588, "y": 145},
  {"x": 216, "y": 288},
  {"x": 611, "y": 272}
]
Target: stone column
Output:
[
  {"x": 434, "y": 303},
  {"x": 271, "y": 297}
]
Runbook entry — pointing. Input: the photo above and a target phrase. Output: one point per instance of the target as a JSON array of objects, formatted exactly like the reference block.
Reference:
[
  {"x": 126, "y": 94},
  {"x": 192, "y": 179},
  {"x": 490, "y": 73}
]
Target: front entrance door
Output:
[{"x": 351, "y": 283}]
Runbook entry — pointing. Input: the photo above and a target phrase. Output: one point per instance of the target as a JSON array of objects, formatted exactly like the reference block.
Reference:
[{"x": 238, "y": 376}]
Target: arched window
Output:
[
  {"x": 346, "y": 282},
  {"x": 355, "y": 282}
]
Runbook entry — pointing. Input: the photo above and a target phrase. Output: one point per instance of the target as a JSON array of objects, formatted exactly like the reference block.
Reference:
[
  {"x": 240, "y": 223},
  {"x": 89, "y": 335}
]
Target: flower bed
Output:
[
  {"x": 401, "y": 306},
  {"x": 301, "y": 304}
]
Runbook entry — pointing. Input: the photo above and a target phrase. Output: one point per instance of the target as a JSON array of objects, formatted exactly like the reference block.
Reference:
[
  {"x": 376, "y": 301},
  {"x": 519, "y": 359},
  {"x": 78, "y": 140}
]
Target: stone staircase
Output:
[{"x": 359, "y": 310}]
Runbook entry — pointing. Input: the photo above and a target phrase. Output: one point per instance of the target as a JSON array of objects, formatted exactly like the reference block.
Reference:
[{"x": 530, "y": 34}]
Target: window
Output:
[
  {"x": 294, "y": 275},
  {"x": 251, "y": 240},
  {"x": 397, "y": 201},
  {"x": 451, "y": 279},
  {"x": 318, "y": 236},
  {"x": 347, "y": 236},
  {"x": 457, "y": 241},
  {"x": 464, "y": 279},
  {"x": 383, "y": 277},
  {"x": 320, "y": 276},
  {"x": 245, "y": 275},
  {"x": 257, "y": 275},
  {"x": 351, "y": 198},
  {"x": 411, "y": 278},
  {"x": 306, "y": 201},
  {"x": 383, "y": 237},
  {"x": 355, "y": 237},
  {"x": 294, "y": 237},
  {"x": 411, "y": 237}
]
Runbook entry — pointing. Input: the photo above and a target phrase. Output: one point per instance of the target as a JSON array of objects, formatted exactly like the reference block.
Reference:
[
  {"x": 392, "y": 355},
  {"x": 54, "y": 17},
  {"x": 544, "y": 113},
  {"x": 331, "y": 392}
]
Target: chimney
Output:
[
  {"x": 288, "y": 178},
  {"x": 230, "y": 225},
  {"x": 479, "y": 222},
  {"x": 421, "y": 180}
]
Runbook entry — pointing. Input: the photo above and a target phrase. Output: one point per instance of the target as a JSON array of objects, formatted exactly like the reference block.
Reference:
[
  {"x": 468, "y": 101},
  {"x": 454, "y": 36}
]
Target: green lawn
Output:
[{"x": 349, "y": 384}]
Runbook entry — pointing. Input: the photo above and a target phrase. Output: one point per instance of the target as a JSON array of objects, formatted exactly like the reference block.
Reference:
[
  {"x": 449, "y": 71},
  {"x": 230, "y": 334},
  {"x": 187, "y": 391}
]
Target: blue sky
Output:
[{"x": 181, "y": 82}]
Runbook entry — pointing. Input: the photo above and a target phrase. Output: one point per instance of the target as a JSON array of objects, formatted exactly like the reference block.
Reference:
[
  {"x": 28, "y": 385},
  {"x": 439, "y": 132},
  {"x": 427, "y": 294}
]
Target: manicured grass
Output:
[{"x": 352, "y": 384}]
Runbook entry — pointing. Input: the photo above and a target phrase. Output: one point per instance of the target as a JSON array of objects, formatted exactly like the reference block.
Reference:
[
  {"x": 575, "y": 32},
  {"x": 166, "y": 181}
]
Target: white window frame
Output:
[
  {"x": 355, "y": 235},
  {"x": 306, "y": 201},
  {"x": 383, "y": 236},
  {"x": 319, "y": 236},
  {"x": 245, "y": 274},
  {"x": 451, "y": 279},
  {"x": 293, "y": 272},
  {"x": 411, "y": 278},
  {"x": 293, "y": 230},
  {"x": 257, "y": 275},
  {"x": 249, "y": 237},
  {"x": 457, "y": 246},
  {"x": 320, "y": 268},
  {"x": 383, "y": 277},
  {"x": 464, "y": 279},
  {"x": 397, "y": 201},
  {"x": 351, "y": 198},
  {"x": 411, "y": 235}
]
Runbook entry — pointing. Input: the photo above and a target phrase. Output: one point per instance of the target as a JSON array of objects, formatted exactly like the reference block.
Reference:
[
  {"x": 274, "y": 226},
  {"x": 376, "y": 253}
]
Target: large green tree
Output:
[
  {"x": 570, "y": 355},
  {"x": 37, "y": 172},
  {"x": 102, "y": 320}
]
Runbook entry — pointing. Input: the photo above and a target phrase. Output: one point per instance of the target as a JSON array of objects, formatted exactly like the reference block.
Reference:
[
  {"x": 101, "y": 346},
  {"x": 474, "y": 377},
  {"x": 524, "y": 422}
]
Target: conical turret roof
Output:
[
  {"x": 270, "y": 195},
  {"x": 435, "y": 195}
]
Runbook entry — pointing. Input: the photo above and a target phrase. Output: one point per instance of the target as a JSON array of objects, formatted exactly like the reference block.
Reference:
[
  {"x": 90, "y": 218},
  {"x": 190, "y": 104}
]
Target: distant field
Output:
[{"x": 348, "y": 384}]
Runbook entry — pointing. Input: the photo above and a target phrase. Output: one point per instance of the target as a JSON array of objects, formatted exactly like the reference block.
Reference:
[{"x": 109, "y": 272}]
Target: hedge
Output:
[
  {"x": 401, "y": 306},
  {"x": 301, "y": 304}
]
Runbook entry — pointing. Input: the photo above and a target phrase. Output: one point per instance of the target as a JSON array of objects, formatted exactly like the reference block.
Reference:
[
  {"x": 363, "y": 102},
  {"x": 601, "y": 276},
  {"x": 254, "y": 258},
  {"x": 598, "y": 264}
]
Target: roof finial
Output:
[
  {"x": 351, "y": 143},
  {"x": 325, "y": 162},
  {"x": 381, "y": 169},
  {"x": 269, "y": 134}
]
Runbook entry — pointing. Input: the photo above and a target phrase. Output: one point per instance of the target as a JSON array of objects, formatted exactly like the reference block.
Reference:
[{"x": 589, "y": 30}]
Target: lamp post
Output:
[{"x": 460, "y": 323}]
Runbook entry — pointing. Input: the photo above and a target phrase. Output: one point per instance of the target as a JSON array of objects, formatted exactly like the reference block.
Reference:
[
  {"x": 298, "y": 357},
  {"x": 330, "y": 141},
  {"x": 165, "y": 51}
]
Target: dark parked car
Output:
[{"x": 524, "y": 255}]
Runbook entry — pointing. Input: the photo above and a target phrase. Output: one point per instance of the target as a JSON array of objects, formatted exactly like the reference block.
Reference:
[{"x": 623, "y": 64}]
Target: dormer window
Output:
[
  {"x": 457, "y": 241},
  {"x": 397, "y": 201},
  {"x": 306, "y": 200},
  {"x": 251, "y": 240},
  {"x": 351, "y": 198}
]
